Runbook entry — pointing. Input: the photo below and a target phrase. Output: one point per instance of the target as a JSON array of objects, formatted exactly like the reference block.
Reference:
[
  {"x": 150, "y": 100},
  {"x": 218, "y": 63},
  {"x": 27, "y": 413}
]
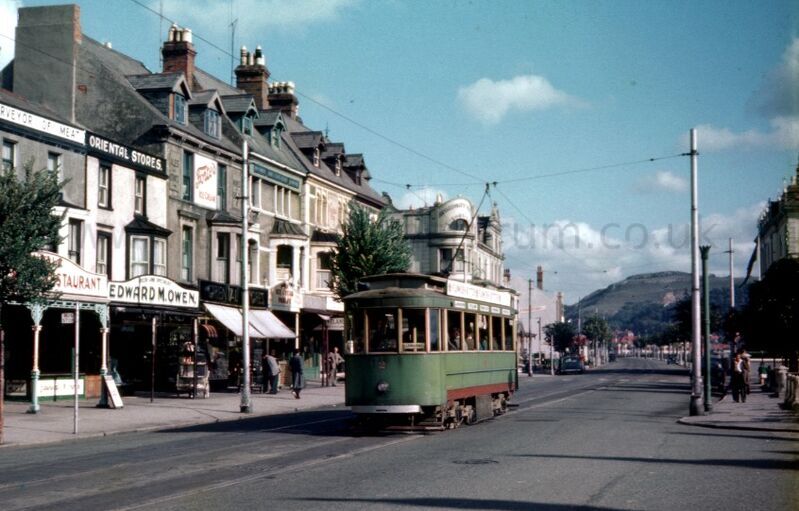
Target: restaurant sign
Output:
[
  {"x": 73, "y": 281},
  {"x": 153, "y": 290}
]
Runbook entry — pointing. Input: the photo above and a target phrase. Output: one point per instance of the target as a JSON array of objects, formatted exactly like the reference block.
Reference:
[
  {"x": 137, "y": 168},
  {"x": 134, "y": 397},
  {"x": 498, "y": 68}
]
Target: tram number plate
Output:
[{"x": 413, "y": 346}]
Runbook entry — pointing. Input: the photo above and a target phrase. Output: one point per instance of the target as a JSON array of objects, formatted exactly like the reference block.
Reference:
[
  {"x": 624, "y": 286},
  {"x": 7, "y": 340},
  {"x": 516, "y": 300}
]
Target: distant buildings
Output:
[{"x": 778, "y": 228}]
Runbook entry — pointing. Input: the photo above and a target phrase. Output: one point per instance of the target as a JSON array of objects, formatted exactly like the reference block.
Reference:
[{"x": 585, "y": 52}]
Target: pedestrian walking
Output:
[
  {"x": 738, "y": 382},
  {"x": 333, "y": 361},
  {"x": 272, "y": 372},
  {"x": 297, "y": 380},
  {"x": 746, "y": 369}
]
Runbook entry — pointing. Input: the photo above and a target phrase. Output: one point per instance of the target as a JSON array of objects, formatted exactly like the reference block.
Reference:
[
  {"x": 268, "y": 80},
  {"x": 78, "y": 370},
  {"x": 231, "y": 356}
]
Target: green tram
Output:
[{"x": 428, "y": 352}]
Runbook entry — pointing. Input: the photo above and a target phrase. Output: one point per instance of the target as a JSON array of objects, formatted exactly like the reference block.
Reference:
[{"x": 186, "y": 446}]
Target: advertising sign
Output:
[
  {"x": 472, "y": 292},
  {"x": 153, "y": 290},
  {"x": 126, "y": 155},
  {"x": 205, "y": 171}
]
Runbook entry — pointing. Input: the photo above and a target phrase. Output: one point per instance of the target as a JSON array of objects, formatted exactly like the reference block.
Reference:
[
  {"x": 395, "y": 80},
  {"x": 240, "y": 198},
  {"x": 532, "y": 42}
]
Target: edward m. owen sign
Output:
[{"x": 153, "y": 290}]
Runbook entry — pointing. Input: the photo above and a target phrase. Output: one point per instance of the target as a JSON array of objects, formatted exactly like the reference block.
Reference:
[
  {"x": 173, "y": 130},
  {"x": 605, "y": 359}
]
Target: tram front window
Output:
[
  {"x": 413, "y": 330},
  {"x": 382, "y": 330},
  {"x": 509, "y": 334}
]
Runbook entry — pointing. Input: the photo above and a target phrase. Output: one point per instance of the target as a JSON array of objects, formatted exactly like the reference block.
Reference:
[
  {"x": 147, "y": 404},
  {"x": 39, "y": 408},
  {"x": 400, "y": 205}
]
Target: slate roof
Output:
[
  {"x": 268, "y": 118},
  {"x": 139, "y": 224},
  {"x": 17, "y": 101},
  {"x": 221, "y": 217},
  {"x": 286, "y": 228},
  {"x": 238, "y": 103},
  {"x": 160, "y": 81}
]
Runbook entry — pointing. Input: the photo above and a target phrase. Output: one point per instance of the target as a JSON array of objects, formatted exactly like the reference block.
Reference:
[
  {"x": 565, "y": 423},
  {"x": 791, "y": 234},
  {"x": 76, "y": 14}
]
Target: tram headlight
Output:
[{"x": 382, "y": 387}]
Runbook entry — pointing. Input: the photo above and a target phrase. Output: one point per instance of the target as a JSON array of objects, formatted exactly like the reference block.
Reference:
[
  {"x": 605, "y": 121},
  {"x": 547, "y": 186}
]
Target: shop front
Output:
[
  {"x": 223, "y": 318},
  {"x": 153, "y": 321},
  {"x": 56, "y": 348}
]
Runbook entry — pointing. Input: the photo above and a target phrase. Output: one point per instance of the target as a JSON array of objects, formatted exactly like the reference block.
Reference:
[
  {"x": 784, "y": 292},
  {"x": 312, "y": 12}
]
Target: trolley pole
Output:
[
  {"x": 705, "y": 250},
  {"x": 245, "y": 406},
  {"x": 696, "y": 406}
]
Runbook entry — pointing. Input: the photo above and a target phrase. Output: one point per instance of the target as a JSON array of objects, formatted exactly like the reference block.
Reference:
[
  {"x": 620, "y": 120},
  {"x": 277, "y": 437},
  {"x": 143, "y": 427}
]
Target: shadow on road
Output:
[
  {"x": 733, "y": 435},
  {"x": 759, "y": 464},
  {"x": 312, "y": 422},
  {"x": 459, "y": 503}
]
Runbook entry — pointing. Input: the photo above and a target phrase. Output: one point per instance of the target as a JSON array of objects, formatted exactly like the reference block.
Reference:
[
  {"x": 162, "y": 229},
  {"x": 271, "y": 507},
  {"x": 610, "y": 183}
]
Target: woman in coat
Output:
[{"x": 297, "y": 382}]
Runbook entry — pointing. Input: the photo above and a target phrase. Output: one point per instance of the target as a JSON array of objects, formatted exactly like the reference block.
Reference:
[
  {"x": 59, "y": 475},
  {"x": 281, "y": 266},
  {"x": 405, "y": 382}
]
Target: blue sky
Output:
[{"x": 512, "y": 91}]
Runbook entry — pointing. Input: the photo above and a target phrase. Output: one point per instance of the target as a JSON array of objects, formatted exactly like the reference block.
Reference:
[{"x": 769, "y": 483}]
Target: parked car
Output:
[
  {"x": 571, "y": 365},
  {"x": 672, "y": 359}
]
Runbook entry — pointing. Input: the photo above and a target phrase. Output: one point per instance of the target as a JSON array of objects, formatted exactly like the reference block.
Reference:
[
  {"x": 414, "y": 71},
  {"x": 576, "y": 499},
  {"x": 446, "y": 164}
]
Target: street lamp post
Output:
[
  {"x": 245, "y": 406},
  {"x": 705, "y": 250}
]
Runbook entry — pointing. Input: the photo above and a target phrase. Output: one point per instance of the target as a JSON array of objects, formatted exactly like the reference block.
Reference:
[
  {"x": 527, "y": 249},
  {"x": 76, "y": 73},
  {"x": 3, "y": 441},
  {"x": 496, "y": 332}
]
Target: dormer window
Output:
[
  {"x": 338, "y": 166},
  {"x": 246, "y": 125},
  {"x": 211, "y": 124},
  {"x": 316, "y": 157},
  {"x": 274, "y": 135},
  {"x": 180, "y": 109}
]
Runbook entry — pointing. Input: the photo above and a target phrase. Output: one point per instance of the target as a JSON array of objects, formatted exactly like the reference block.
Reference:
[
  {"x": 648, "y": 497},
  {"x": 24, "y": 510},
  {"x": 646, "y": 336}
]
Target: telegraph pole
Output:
[
  {"x": 732, "y": 298},
  {"x": 705, "y": 250},
  {"x": 529, "y": 327},
  {"x": 245, "y": 406},
  {"x": 696, "y": 406}
]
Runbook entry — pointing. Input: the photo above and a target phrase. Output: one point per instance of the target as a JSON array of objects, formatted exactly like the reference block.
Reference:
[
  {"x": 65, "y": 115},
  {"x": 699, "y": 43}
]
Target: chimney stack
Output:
[
  {"x": 179, "y": 53},
  {"x": 281, "y": 95},
  {"x": 46, "y": 53},
  {"x": 539, "y": 278},
  {"x": 252, "y": 76}
]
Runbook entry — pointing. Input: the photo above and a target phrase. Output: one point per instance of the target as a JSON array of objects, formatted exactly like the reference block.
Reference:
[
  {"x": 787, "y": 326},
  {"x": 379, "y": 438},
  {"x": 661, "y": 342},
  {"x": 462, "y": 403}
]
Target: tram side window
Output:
[
  {"x": 471, "y": 332},
  {"x": 413, "y": 330},
  {"x": 496, "y": 333},
  {"x": 509, "y": 334},
  {"x": 435, "y": 328},
  {"x": 454, "y": 334},
  {"x": 382, "y": 330},
  {"x": 356, "y": 329},
  {"x": 482, "y": 332}
]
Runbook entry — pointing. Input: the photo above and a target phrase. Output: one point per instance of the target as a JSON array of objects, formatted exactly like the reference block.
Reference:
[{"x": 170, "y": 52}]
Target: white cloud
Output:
[
  {"x": 579, "y": 258},
  {"x": 777, "y": 95},
  {"x": 212, "y": 17},
  {"x": 784, "y": 134},
  {"x": 489, "y": 101},
  {"x": 8, "y": 25},
  {"x": 419, "y": 198},
  {"x": 661, "y": 181}
]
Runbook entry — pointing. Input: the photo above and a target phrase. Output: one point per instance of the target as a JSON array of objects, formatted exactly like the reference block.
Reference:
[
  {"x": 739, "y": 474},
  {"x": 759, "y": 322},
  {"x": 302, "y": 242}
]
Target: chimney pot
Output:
[
  {"x": 243, "y": 56},
  {"x": 187, "y": 36}
]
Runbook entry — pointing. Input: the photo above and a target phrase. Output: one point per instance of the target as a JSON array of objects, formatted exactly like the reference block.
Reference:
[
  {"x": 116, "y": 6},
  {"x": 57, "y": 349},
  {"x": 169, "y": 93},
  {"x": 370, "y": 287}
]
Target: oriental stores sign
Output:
[
  {"x": 153, "y": 290},
  {"x": 124, "y": 155}
]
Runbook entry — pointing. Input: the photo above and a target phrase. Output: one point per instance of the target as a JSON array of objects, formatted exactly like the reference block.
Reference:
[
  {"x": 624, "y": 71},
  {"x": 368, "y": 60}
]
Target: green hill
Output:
[{"x": 643, "y": 303}]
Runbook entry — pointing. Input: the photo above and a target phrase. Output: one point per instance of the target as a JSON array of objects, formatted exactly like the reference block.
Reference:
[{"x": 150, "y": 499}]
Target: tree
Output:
[
  {"x": 26, "y": 224},
  {"x": 561, "y": 335},
  {"x": 598, "y": 332},
  {"x": 771, "y": 318},
  {"x": 367, "y": 246}
]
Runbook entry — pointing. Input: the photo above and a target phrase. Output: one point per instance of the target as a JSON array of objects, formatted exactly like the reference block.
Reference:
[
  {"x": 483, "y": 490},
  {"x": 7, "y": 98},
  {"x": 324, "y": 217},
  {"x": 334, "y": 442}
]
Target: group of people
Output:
[{"x": 296, "y": 364}]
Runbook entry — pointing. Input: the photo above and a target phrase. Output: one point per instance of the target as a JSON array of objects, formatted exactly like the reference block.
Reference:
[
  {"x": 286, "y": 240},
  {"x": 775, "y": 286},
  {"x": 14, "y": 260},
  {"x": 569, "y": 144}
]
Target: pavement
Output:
[
  {"x": 760, "y": 412},
  {"x": 55, "y": 420}
]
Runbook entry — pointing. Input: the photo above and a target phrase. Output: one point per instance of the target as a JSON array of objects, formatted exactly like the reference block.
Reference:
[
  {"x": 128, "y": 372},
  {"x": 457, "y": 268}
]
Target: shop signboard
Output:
[
  {"x": 55, "y": 387},
  {"x": 229, "y": 294},
  {"x": 153, "y": 290},
  {"x": 125, "y": 155},
  {"x": 75, "y": 282},
  {"x": 205, "y": 185},
  {"x": 286, "y": 298},
  {"x": 41, "y": 124}
]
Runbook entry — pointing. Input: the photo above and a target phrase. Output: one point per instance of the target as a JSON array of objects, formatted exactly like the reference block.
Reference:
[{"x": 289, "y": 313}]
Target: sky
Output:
[{"x": 575, "y": 113}]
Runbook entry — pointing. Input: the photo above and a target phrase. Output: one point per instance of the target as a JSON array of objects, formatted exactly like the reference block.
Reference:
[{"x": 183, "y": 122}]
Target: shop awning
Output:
[
  {"x": 269, "y": 325},
  {"x": 263, "y": 324}
]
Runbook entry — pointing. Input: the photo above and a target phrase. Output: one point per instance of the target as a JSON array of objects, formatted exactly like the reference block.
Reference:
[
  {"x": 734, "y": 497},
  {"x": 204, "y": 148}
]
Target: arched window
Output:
[{"x": 458, "y": 225}]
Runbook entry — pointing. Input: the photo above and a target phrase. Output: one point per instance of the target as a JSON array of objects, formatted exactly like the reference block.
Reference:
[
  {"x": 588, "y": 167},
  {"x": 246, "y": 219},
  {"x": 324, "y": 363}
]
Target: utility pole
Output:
[
  {"x": 705, "y": 250},
  {"x": 696, "y": 406},
  {"x": 245, "y": 406},
  {"x": 529, "y": 327},
  {"x": 732, "y": 297}
]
